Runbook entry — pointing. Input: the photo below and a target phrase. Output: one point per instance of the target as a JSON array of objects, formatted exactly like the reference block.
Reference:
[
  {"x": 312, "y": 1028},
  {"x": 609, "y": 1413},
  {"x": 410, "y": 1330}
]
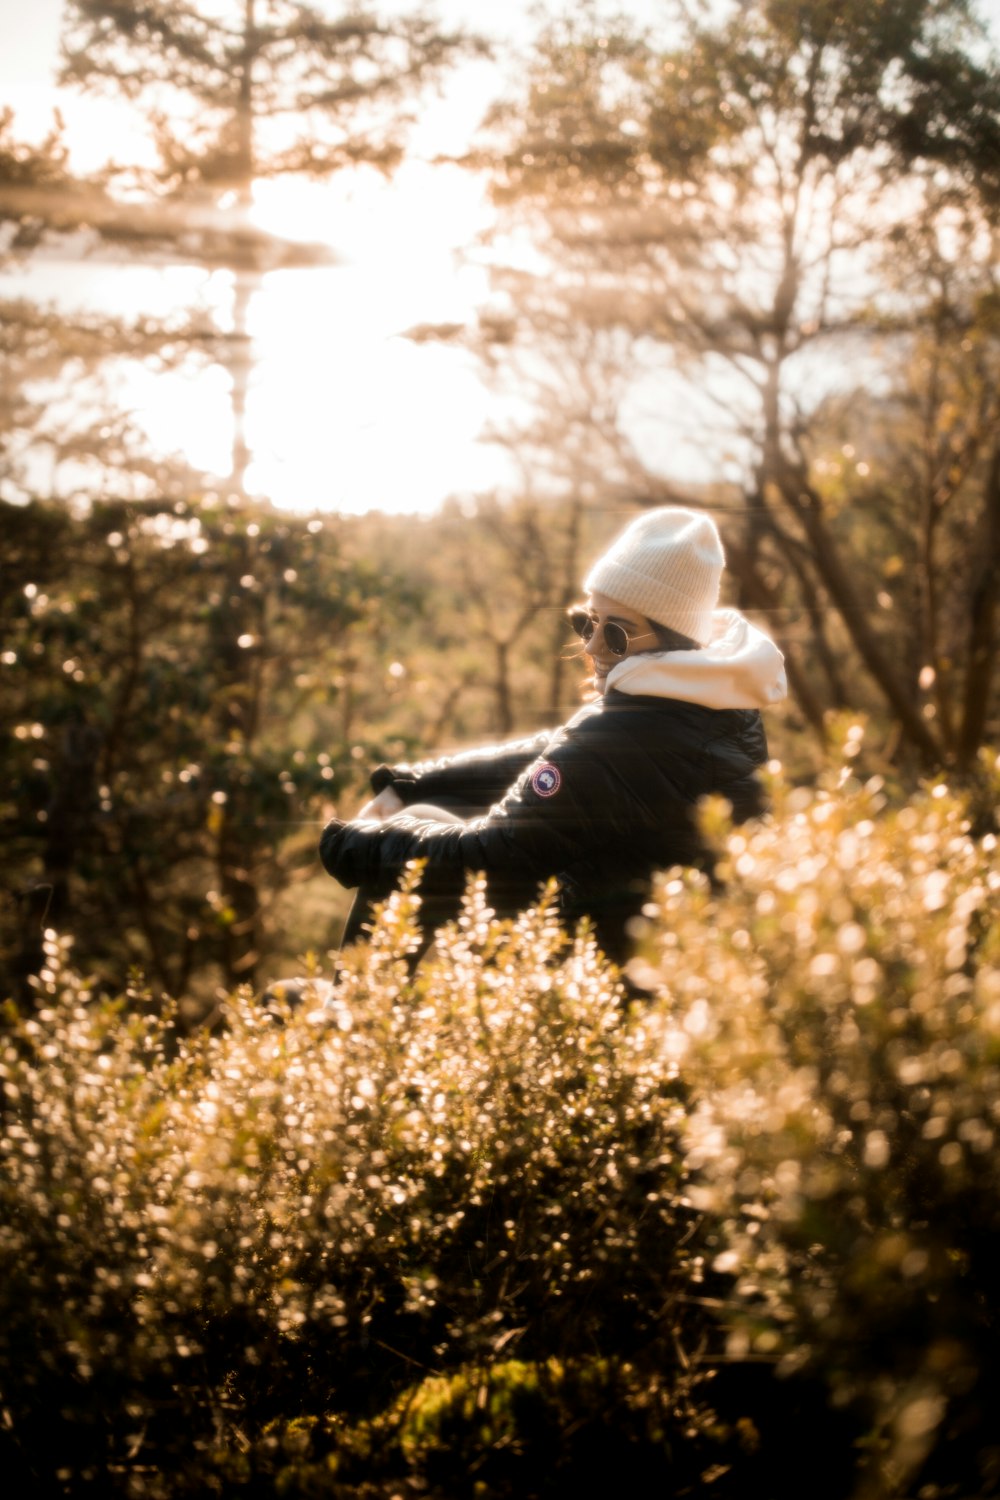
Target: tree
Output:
[
  {"x": 253, "y": 89},
  {"x": 510, "y": 569},
  {"x": 735, "y": 206},
  {"x": 53, "y": 406},
  {"x": 487, "y": 651},
  {"x": 162, "y": 795},
  {"x": 233, "y": 93},
  {"x": 34, "y": 187}
]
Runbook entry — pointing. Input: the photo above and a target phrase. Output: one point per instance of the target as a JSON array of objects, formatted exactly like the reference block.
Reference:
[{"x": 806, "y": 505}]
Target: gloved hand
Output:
[{"x": 339, "y": 853}]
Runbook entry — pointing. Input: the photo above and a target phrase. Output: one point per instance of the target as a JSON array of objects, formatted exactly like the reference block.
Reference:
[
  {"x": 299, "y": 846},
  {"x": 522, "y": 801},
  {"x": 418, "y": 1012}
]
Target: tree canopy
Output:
[{"x": 779, "y": 216}]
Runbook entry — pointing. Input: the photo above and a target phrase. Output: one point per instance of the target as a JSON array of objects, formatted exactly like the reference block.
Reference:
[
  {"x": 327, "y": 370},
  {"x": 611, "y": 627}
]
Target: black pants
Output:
[{"x": 435, "y": 910}]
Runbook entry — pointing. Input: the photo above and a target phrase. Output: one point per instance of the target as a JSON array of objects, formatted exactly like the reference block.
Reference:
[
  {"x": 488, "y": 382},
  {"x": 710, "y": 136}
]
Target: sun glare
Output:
[
  {"x": 343, "y": 409},
  {"x": 387, "y": 426}
]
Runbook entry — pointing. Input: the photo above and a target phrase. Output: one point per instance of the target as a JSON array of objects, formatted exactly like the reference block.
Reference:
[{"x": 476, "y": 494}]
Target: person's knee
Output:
[{"x": 429, "y": 812}]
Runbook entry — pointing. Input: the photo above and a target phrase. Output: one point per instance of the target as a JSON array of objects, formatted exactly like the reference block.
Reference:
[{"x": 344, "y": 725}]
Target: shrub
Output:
[
  {"x": 836, "y": 1015},
  {"x": 475, "y": 1171},
  {"x": 495, "y": 1230}
]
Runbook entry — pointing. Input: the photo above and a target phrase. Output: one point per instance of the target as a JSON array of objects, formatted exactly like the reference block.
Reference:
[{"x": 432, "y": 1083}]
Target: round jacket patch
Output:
[{"x": 546, "y": 779}]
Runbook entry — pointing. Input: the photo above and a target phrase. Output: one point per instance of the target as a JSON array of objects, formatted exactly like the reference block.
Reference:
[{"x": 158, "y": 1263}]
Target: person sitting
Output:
[{"x": 606, "y": 799}]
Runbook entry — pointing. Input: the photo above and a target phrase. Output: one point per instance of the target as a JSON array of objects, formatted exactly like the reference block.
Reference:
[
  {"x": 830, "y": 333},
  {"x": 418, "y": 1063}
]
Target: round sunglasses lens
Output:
[
  {"x": 616, "y": 640},
  {"x": 582, "y": 624}
]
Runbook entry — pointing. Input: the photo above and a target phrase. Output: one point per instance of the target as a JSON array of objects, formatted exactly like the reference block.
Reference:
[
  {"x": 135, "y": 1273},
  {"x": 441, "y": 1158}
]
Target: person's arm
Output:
[
  {"x": 476, "y": 778},
  {"x": 533, "y": 832}
]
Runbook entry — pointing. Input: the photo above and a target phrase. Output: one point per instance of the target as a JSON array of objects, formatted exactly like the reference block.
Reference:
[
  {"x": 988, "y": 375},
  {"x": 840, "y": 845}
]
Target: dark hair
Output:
[{"x": 672, "y": 640}]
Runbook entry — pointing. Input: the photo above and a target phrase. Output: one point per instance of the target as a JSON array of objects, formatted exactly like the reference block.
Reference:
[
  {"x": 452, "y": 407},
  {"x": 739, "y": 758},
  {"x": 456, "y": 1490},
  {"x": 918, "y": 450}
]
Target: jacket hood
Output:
[{"x": 740, "y": 667}]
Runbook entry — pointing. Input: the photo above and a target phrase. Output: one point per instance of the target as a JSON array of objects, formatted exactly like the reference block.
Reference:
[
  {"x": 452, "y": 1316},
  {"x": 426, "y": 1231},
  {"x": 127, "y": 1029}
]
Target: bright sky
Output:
[{"x": 344, "y": 413}]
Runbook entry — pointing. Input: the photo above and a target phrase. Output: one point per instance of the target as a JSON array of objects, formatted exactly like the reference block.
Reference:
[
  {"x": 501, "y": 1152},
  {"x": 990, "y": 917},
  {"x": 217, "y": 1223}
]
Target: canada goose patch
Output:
[{"x": 546, "y": 779}]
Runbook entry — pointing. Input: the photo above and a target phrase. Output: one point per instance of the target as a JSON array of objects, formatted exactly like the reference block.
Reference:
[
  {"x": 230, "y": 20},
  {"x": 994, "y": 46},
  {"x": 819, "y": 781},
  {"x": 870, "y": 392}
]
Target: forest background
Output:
[
  {"x": 741, "y": 257},
  {"x": 492, "y": 1230}
]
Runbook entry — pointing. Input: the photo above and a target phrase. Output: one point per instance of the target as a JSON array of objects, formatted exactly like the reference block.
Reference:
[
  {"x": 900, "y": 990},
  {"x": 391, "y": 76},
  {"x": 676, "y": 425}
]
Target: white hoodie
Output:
[{"x": 740, "y": 667}]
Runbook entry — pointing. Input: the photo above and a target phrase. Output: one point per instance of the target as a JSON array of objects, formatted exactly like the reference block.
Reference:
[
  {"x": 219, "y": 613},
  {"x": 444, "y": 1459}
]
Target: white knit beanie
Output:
[{"x": 667, "y": 564}]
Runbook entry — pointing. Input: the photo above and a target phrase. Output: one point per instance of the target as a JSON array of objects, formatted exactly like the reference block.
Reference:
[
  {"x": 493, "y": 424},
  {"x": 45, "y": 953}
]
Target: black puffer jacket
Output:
[{"x": 600, "y": 803}]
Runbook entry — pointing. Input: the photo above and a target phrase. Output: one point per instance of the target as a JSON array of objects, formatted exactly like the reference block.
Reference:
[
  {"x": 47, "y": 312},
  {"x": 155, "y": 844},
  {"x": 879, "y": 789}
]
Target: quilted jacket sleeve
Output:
[
  {"x": 611, "y": 798},
  {"x": 542, "y": 826},
  {"x": 476, "y": 778}
]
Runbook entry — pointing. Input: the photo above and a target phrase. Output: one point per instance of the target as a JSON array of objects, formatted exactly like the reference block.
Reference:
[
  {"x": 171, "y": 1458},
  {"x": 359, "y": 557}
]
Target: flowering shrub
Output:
[
  {"x": 836, "y": 1016},
  {"x": 494, "y": 1229},
  {"x": 471, "y": 1172}
]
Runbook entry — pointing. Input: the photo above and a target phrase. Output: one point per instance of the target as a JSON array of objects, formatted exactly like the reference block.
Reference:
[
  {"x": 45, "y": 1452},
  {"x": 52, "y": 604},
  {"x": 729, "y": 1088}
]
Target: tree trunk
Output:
[
  {"x": 501, "y": 686},
  {"x": 240, "y": 619},
  {"x": 246, "y": 282},
  {"x": 806, "y": 505},
  {"x": 240, "y": 365},
  {"x": 983, "y": 621},
  {"x": 69, "y": 816},
  {"x": 569, "y": 587},
  {"x": 757, "y": 593}
]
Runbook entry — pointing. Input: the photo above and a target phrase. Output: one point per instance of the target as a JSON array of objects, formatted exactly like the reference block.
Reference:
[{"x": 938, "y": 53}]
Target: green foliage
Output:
[
  {"x": 174, "y": 675},
  {"x": 192, "y": 685},
  {"x": 506, "y": 1429}
]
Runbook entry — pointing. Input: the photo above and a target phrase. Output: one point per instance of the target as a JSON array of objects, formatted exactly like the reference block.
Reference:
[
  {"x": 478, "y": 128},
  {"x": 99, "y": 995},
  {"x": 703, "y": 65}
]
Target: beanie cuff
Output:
[{"x": 654, "y": 598}]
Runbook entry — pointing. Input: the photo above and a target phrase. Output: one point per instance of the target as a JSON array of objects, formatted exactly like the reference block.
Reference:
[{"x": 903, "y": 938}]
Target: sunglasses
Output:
[{"x": 616, "y": 637}]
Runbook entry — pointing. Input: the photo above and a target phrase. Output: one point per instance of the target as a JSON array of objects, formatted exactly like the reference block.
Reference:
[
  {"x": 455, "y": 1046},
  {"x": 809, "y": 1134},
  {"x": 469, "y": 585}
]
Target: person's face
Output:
[{"x": 604, "y": 611}]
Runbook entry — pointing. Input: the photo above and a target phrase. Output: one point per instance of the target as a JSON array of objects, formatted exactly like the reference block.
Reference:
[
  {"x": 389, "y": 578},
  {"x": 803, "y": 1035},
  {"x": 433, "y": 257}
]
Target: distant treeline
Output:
[{"x": 191, "y": 687}]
